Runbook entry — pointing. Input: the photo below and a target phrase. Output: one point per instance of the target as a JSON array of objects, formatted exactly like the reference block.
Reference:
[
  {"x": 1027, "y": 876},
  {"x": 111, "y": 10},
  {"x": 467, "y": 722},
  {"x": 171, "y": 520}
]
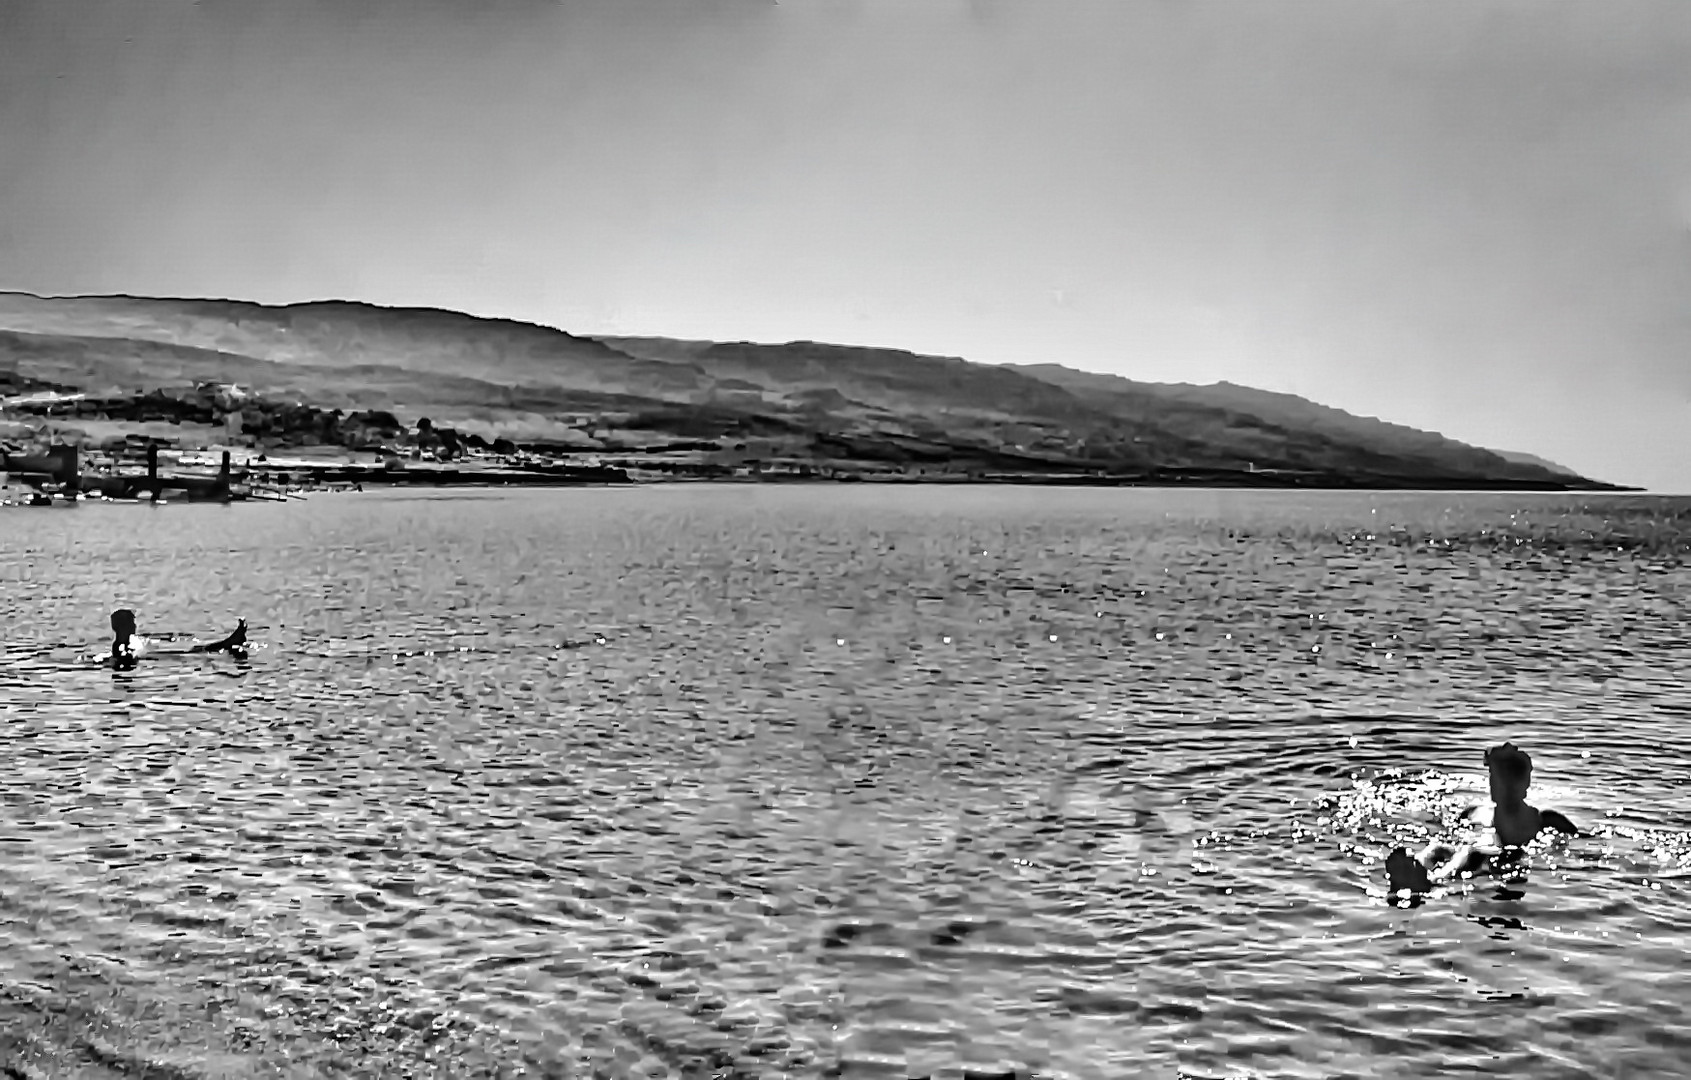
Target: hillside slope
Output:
[
  {"x": 1533, "y": 459},
  {"x": 1292, "y": 413},
  {"x": 842, "y": 409}
]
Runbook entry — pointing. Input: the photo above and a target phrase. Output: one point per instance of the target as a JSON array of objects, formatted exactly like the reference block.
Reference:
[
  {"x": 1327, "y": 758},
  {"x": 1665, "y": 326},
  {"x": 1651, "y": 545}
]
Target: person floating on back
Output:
[
  {"x": 126, "y": 646},
  {"x": 1511, "y": 822}
]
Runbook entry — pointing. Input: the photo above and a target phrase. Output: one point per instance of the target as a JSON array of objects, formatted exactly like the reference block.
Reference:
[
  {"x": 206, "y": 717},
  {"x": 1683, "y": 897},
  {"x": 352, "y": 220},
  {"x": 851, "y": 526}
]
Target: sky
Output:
[{"x": 1470, "y": 216}]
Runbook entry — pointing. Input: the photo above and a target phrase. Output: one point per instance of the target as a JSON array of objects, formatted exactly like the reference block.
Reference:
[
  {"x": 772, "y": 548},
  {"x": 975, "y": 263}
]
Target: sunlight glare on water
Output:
[{"x": 760, "y": 781}]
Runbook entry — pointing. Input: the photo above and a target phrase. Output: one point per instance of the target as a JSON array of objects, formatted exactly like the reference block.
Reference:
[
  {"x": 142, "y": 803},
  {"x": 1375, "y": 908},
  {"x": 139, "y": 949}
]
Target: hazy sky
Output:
[{"x": 1464, "y": 215}]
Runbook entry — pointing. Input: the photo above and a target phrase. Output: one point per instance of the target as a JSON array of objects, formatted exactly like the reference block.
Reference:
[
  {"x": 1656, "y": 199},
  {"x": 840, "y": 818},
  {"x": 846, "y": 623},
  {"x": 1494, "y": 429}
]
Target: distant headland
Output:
[{"x": 351, "y": 392}]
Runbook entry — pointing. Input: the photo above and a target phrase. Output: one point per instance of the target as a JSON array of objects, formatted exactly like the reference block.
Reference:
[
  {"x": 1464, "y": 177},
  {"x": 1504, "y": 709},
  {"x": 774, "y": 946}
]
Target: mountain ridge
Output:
[
  {"x": 1288, "y": 410},
  {"x": 735, "y": 405}
]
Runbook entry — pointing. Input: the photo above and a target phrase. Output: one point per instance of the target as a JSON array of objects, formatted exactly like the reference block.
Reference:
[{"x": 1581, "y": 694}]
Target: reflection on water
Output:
[{"x": 773, "y": 781}]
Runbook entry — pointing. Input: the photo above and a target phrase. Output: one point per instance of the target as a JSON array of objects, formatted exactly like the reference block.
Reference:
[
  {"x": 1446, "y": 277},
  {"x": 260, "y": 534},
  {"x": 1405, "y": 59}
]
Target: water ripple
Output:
[{"x": 751, "y": 782}]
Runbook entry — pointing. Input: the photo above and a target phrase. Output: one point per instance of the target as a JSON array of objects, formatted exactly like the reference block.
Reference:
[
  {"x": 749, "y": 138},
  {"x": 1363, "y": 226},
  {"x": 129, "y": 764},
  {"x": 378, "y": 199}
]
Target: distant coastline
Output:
[
  {"x": 413, "y": 396},
  {"x": 633, "y": 472}
]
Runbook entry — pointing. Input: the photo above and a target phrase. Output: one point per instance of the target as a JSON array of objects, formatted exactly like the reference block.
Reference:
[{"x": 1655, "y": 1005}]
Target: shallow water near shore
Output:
[{"x": 775, "y": 781}]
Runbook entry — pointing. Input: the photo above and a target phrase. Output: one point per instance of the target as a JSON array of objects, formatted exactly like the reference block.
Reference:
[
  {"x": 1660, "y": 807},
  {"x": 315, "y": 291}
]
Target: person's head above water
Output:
[
  {"x": 1511, "y": 772},
  {"x": 123, "y": 622}
]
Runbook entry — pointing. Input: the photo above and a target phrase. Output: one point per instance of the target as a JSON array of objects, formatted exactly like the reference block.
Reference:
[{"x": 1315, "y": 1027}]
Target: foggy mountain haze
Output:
[{"x": 1469, "y": 218}]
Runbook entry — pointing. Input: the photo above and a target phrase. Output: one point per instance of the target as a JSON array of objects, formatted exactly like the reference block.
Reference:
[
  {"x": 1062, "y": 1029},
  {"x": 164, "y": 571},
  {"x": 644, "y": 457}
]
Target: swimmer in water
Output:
[
  {"x": 1511, "y": 822},
  {"x": 125, "y": 648}
]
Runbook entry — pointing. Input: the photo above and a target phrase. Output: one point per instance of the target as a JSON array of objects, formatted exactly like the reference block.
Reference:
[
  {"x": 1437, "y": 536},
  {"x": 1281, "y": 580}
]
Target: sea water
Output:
[{"x": 864, "y": 781}]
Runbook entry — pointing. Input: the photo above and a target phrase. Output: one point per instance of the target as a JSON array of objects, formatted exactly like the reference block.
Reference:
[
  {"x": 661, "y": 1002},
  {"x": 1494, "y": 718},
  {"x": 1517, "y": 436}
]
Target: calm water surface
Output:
[{"x": 756, "y": 782}]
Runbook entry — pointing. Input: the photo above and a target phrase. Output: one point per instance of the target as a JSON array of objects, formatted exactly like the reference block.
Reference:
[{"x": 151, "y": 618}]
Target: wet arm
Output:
[{"x": 1555, "y": 819}]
